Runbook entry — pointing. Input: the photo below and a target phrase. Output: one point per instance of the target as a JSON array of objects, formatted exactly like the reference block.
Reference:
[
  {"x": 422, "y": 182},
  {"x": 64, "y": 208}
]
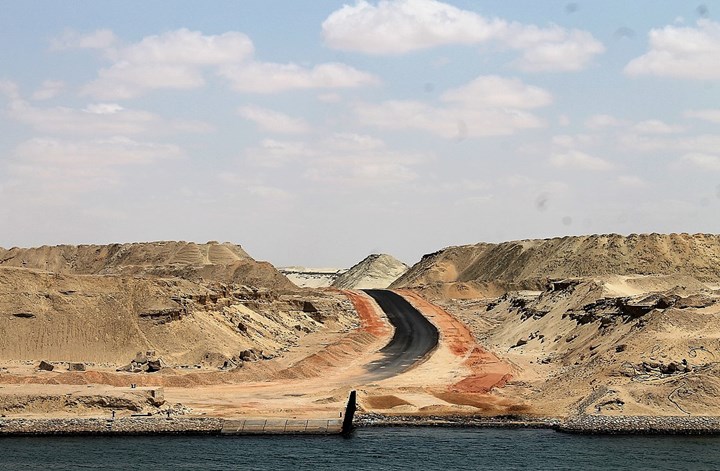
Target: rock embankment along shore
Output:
[
  {"x": 680, "y": 425},
  {"x": 586, "y": 424},
  {"x": 583, "y": 424},
  {"x": 119, "y": 426}
]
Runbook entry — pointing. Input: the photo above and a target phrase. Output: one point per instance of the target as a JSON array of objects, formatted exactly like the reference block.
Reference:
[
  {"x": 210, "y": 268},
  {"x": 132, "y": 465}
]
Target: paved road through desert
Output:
[{"x": 414, "y": 337}]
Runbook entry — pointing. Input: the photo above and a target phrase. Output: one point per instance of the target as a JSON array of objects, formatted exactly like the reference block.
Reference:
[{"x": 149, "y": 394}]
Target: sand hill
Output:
[
  {"x": 600, "y": 324},
  {"x": 192, "y": 304},
  {"x": 225, "y": 262},
  {"x": 375, "y": 271},
  {"x": 471, "y": 270}
]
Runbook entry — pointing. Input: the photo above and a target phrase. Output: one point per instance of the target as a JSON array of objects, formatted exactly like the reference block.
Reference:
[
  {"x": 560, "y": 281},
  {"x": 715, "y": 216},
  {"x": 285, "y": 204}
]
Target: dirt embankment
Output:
[
  {"x": 584, "y": 347},
  {"x": 487, "y": 270},
  {"x": 226, "y": 262},
  {"x": 376, "y": 271},
  {"x": 109, "y": 319},
  {"x": 602, "y": 324},
  {"x": 192, "y": 306}
]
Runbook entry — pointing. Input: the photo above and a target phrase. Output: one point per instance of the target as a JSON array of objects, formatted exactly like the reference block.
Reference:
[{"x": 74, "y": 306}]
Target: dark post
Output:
[{"x": 347, "y": 426}]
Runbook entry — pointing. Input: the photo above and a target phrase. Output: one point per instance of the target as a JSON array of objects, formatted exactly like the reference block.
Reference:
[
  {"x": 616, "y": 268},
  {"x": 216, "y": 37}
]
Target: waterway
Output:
[{"x": 368, "y": 449}]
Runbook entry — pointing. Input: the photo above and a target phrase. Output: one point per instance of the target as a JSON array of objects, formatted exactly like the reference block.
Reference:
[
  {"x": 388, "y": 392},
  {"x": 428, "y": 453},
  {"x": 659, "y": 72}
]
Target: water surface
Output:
[{"x": 369, "y": 449}]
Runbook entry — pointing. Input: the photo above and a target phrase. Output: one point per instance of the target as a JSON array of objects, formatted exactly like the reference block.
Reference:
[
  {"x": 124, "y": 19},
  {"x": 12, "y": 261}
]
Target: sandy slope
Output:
[
  {"x": 595, "y": 324},
  {"x": 374, "y": 271},
  {"x": 225, "y": 262},
  {"x": 490, "y": 269}
]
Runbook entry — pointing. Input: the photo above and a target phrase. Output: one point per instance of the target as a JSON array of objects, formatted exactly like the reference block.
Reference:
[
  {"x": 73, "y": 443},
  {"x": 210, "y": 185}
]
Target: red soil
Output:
[{"x": 487, "y": 370}]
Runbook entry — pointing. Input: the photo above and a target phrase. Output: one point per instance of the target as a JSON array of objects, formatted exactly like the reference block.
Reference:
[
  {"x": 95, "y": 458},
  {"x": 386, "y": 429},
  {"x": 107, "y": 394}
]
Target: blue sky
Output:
[{"x": 314, "y": 133}]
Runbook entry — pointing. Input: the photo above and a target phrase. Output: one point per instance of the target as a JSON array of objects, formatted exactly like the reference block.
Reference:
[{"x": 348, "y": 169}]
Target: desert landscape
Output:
[{"x": 533, "y": 331}]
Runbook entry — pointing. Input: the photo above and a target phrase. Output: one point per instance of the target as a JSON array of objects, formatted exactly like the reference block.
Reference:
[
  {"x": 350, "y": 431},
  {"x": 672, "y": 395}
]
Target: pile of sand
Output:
[
  {"x": 572, "y": 339},
  {"x": 527, "y": 264},
  {"x": 226, "y": 262},
  {"x": 194, "y": 305},
  {"x": 377, "y": 271}
]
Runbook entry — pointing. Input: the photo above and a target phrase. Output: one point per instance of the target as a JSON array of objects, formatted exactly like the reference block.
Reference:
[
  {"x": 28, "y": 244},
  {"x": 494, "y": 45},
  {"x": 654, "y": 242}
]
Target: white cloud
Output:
[
  {"x": 701, "y": 161},
  {"x": 394, "y": 27},
  {"x": 580, "y": 160},
  {"x": 330, "y": 97},
  {"x": 48, "y": 89},
  {"x": 268, "y": 77},
  {"x": 187, "y": 47},
  {"x": 553, "y": 48},
  {"x": 701, "y": 144},
  {"x": 681, "y": 52},
  {"x": 450, "y": 123},
  {"x": 77, "y": 166},
  {"x": 570, "y": 142},
  {"x": 95, "y": 153},
  {"x": 126, "y": 80},
  {"x": 108, "y": 119},
  {"x": 274, "y": 121},
  {"x": 272, "y": 153},
  {"x": 599, "y": 121},
  {"x": 179, "y": 60},
  {"x": 712, "y": 115},
  {"x": 654, "y": 126},
  {"x": 487, "y": 106},
  {"x": 495, "y": 91},
  {"x": 340, "y": 161},
  {"x": 100, "y": 39},
  {"x": 400, "y": 26},
  {"x": 270, "y": 192},
  {"x": 631, "y": 181},
  {"x": 10, "y": 90}
]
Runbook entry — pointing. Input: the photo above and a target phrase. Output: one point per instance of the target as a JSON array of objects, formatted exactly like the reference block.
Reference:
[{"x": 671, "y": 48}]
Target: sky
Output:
[{"x": 316, "y": 133}]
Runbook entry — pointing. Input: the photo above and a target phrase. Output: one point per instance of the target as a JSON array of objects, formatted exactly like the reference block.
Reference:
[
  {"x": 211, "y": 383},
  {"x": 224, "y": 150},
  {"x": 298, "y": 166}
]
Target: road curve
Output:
[{"x": 414, "y": 338}]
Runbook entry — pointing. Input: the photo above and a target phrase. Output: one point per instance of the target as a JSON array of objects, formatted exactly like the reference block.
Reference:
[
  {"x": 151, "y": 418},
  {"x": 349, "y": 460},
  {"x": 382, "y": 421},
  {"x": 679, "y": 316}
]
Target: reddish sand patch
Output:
[
  {"x": 384, "y": 402},
  {"x": 369, "y": 317},
  {"x": 479, "y": 383},
  {"x": 488, "y": 371}
]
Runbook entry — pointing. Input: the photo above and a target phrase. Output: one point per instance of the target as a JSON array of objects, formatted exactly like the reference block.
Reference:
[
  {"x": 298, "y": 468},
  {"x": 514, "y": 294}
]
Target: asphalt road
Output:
[{"x": 414, "y": 338}]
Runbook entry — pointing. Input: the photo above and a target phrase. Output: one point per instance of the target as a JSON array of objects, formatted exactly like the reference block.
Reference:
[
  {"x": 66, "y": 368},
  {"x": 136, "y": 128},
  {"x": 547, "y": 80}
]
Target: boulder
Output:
[
  {"x": 140, "y": 358},
  {"x": 45, "y": 366},
  {"x": 248, "y": 355},
  {"x": 155, "y": 365},
  {"x": 76, "y": 366}
]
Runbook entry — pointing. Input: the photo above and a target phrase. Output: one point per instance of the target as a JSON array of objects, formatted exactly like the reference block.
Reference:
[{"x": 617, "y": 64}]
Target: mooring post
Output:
[{"x": 347, "y": 425}]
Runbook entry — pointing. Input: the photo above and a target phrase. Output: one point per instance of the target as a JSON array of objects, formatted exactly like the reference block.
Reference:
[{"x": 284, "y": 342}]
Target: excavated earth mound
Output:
[
  {"x": 595, "y": 325},
  {"x": 226, "y": 262},
  {"x": 490, "y": 269},
  {"x": 190, "y": 305},
  {"x": 377, "y": 271}
]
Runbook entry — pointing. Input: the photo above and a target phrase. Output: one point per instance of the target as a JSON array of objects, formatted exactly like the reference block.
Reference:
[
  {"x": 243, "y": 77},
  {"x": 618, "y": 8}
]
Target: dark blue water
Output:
[{"x": 368, "y": 449}]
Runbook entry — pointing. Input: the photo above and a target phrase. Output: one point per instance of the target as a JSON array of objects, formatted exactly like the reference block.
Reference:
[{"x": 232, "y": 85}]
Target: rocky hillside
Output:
[
  {"x": 643, "y": 345},
  {"x": 375, "y": 271},
  {"x": 225, "y": 262},
  {"x": 190, "y": 304},
  {"x": 494, "y": 268},
  {"x": 109, "y": 318}
]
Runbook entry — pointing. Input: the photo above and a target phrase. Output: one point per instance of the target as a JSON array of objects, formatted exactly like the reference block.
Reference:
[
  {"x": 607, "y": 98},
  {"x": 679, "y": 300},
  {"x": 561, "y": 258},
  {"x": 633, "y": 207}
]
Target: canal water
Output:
[{"x": 368, "y": 449}]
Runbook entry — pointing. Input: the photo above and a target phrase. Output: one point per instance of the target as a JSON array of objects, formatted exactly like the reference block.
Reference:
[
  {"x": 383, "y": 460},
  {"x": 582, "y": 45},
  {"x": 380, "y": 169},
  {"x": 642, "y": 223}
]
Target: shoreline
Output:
[{"x": 584, "y": 425}]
